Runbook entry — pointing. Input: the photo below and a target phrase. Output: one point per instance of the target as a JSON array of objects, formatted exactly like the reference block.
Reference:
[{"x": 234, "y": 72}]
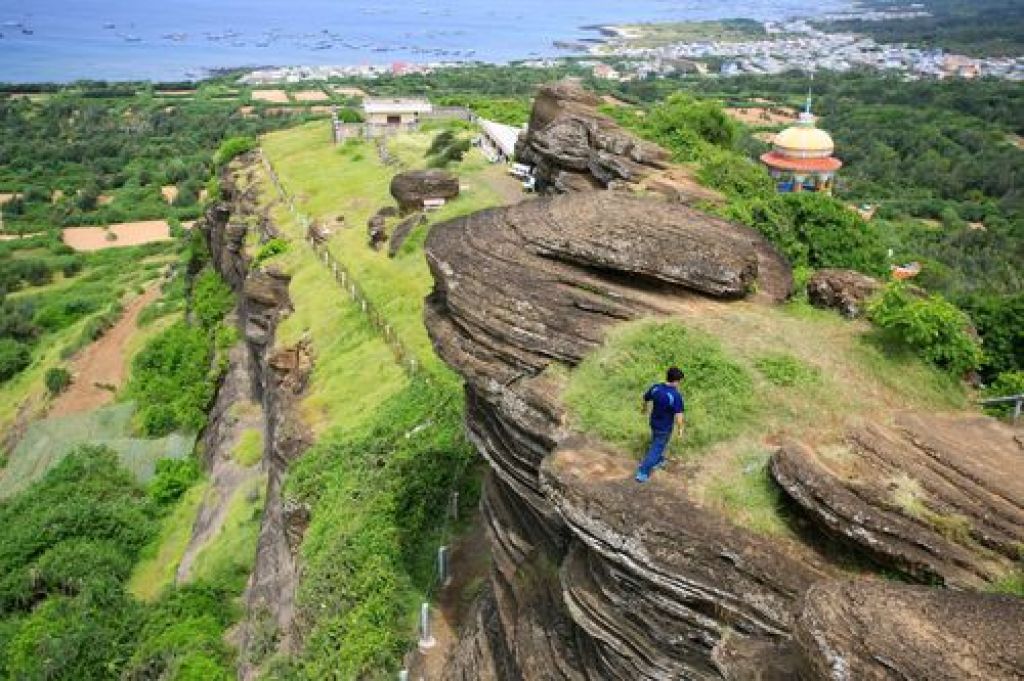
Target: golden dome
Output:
[{"x": 803, "y": 140}]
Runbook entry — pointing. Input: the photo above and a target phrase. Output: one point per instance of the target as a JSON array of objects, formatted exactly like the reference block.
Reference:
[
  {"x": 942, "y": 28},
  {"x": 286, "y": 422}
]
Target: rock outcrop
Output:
[
  {"x": 591, "y": 580},
  {"x": 583, "y": 586},
  {"x": 413, "y": 187},
  {"x": 279, "y": 376},
  {"x": 928, "y": 496},
  {"x": 844, "y": 290},
  {"x": 574, "y": 147},
  {"x": 880, "y": 631}
]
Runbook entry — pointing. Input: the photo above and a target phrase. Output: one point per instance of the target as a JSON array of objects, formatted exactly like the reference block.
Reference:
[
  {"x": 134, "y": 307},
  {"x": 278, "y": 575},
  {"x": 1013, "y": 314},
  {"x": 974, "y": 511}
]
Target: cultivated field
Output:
[
  {"x": 272, "y": 96},
  {"x": 310, "y": 96},
  {"x": 119, "y": 235}
]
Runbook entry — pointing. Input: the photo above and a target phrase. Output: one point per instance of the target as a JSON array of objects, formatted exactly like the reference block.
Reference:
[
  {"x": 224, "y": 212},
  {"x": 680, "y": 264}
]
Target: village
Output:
[{"x": 784, "y": 46}]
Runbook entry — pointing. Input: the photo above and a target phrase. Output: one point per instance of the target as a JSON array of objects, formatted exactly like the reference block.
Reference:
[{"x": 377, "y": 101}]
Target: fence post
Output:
[
  {"x": 426, "y": 640},
  {"x": 453, "y": 507},
  {"x": 403, "y": 675},
  {"x": 444, "y": 576}
]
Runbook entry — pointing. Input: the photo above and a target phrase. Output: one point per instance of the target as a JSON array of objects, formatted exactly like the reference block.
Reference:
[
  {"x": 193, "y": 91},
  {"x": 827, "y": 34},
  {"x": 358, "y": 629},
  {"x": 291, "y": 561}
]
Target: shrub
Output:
[
  {"x": 57, "y": 380},
  {"x": 171, "y": 380},
  {"x": 211, "y": 299},
  {"x": 932, "y": 327},
  {"x": 275, "y": 246},
  {"x": 685, "y": 125},
  {"x": 173, "y": 477},
  {"x": 14, "y": 356},
  {"x": 1006, "y": 384},
  {"x": 232, "y": 147}
]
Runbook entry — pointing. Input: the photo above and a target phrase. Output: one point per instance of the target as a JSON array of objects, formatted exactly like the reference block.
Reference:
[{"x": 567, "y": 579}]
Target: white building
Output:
[
  {"x": 498, "y": 141},
  {"x": 395, "y": 113}
]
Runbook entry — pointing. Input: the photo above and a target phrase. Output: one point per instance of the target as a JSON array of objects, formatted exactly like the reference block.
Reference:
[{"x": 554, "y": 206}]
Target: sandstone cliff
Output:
[{"x": 596, "y": 578}]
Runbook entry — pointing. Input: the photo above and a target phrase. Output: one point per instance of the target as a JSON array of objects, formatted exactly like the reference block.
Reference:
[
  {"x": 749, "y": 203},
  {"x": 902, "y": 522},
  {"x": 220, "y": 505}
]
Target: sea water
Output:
[{"x": 64, "y": 40}]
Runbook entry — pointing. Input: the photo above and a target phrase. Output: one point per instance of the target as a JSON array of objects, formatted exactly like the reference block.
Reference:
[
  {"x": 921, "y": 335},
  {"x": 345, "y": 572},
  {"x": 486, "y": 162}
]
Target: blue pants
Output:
[{"x": 656, "y": 452}]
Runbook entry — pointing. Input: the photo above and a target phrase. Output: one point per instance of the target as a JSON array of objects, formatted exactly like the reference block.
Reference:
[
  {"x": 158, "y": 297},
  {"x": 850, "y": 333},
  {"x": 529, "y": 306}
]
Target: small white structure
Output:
[
  {"x": 497, "y": 140},
  {"x": 396, "y": 113},
  {"x": 431, "y": 205}
]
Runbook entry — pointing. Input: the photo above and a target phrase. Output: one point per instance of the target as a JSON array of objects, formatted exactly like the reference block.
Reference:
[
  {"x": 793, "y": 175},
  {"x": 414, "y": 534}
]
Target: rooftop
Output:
[{"x": 397, "y": 106}]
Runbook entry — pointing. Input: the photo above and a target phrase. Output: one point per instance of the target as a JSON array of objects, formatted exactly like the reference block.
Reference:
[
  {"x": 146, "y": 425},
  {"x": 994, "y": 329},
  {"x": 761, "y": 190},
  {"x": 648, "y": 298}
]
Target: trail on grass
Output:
[{"x": 102, "y": 363}]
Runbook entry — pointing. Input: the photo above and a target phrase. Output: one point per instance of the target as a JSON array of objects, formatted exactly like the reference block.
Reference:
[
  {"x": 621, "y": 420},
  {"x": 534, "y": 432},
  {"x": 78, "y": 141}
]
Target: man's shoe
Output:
[{"x": 642, "y": 477}]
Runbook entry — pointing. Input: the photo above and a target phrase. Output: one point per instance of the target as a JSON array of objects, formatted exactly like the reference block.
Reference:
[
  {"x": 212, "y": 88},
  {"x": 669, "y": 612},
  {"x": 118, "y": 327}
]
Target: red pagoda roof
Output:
[{"x": 808, "y": 165}]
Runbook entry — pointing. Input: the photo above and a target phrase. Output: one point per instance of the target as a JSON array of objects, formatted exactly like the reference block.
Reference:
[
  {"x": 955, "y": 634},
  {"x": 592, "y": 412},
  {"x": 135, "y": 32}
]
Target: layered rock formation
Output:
[
  {"x": 588, "y": 580},
  {"x": 413, "y": 187},
  {"x": 278, "y": 378},
  {"x": 928, "y": 496},
  {"x": 877, "y": 631},
  {"x": 574, "y": 147},
  {"x": 591, "y": 580}
]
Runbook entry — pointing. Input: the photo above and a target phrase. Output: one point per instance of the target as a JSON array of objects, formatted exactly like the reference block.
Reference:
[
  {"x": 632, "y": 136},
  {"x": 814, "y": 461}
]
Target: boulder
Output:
[
  {"x": 843, "y": 290},
  {"x": 574, "y": 147},
  {"x": 413, "y": 187},
  {"x": 376, "y": 232},
  {"x": 869, "y": 630},
  {"x": 928, "y": 496}
]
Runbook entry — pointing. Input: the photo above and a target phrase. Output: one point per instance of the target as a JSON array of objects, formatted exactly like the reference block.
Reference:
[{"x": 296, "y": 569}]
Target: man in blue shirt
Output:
[{"x": 667, "y": 408}]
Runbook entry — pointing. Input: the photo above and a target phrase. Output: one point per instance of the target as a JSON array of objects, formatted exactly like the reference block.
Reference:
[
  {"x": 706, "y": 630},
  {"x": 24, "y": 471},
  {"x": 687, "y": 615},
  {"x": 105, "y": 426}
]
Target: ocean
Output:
[{"x": 65, "y": 40}]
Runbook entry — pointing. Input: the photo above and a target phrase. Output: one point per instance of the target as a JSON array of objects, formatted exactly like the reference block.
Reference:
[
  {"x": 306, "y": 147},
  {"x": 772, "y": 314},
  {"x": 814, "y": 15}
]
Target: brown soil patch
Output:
[
  {"x": 763, "y": 115},
  {"x": 104, "y": 199},
  {"x": 311, "y": 96},
  {"x": 6, "y": 197},
  {"x": 126, "y": 234},
  {"x": 169, "y": 192},
  {"x": 102, "y": 363},
  {"x": 247, "y": 111},
  {"x": 1017, "y": 141},
  {"x": 272, "y": 96},
  {"x": 320, "y": 109},
  {"x": 349, "y": 91}
]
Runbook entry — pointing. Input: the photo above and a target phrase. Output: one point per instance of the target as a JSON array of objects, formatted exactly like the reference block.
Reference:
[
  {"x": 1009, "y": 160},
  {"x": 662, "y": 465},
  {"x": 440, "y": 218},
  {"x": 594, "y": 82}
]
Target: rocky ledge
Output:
[
  {"x": 591, "y": 580},
  {"x": 928, "y": 496}
]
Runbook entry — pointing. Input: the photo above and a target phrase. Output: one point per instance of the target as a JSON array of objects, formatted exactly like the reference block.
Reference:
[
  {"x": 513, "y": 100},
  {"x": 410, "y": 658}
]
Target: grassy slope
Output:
[
  {"x": 352, "y": 182},
  {"x": 809, "y": 375},
  {"x": 159, "y": 561}
]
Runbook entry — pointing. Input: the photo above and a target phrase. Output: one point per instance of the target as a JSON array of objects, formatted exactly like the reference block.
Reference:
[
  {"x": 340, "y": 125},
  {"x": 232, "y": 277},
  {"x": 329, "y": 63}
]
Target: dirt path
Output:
[
  {"x": 470, "y": 561},
  {"x": 102, "y": 363},
  {"x": 504, "y": 185}
]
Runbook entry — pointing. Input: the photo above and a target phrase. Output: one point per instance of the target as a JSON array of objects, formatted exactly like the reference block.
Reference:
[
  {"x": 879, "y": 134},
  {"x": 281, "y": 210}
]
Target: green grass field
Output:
[{"x": 350, "y": 181}]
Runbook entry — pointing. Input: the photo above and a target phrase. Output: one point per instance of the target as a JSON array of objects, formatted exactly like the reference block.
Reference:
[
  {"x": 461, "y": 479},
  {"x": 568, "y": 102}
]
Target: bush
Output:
[
  {"x": 171, "y": 380},
  {"x": 232, "y": 147},
  {"x": 275, "y": 246},
  {"x": 57, "y": 380},
  {"x": 1006, "y": 384},
  {"x": 211, "y": 299},
  {"x": 14, "y": 357},
  {"x": 173, "y": 477},
  {"x": 685, "y": 125},
  {"x": 932, "y": 327}
]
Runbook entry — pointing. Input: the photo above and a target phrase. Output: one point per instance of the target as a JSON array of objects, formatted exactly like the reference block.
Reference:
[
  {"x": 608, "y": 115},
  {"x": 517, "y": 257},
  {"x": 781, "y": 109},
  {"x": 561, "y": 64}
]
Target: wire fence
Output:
[{"x": 406, "y": 359}]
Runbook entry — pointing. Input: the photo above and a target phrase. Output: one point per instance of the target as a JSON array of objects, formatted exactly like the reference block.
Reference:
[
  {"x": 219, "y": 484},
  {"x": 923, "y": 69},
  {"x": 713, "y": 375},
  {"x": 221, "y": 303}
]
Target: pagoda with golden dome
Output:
[{"x": 801, "y": 157}]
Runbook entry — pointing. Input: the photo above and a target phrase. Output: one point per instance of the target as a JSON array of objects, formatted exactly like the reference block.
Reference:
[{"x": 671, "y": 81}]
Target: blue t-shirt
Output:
[{"x": 666, "y": 403}]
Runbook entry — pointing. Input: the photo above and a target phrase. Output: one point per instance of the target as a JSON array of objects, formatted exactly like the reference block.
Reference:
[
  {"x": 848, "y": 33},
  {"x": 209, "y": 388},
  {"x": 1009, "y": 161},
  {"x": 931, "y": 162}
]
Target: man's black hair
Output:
[{"x": 673, "y": 375}]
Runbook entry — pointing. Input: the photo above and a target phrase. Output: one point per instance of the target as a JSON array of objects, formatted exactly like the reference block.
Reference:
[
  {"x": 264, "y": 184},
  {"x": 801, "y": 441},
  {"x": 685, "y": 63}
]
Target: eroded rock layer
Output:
[
  {"x": 878, "y": 631},
  {"x": 574, "y": 147},
  {"x": 576, "y": 592},
  {"x": 928, "y": 496}
]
